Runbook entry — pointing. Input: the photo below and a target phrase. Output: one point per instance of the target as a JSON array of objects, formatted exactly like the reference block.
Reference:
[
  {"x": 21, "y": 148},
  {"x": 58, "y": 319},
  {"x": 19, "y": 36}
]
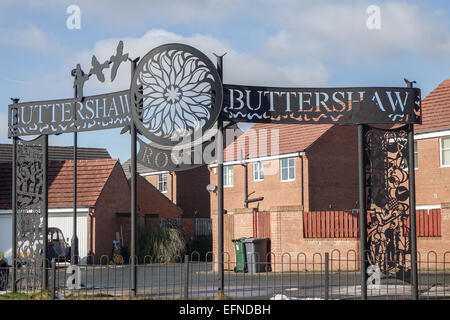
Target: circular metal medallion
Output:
[{"x": 176, "y": 93}]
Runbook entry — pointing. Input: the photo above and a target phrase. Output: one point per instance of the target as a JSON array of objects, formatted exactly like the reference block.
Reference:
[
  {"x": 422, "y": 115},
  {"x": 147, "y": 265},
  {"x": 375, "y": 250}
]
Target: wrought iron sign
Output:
[
  {"x": 182, "y": 93},
  {"x": 176, "y": 94},
  {"x": 57, "y": 116},
  {"x": 175, "y": 99},
  {"x": 322, "y": 105}
]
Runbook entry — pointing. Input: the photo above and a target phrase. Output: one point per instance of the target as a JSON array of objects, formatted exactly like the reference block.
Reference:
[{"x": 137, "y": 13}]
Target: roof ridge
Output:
[
  {"x": 88, "y": 160},
  {"x": 291, "y": 137}
]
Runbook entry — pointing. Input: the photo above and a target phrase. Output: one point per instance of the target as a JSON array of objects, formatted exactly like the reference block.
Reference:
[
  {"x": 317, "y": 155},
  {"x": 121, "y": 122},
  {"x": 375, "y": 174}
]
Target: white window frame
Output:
[
  {"x": 441, "y": 145},
  {"x": 226, "y": 173},
  {"x": 288, "y": 166},
  {"x": 258, "y": 171},
  {"x": 162, "y": 182},
  {"x": 416, "y": 152}
]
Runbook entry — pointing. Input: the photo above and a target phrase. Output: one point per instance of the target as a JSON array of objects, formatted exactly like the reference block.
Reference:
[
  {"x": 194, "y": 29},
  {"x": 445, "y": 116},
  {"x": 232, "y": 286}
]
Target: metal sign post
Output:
[
  {"x": 412, "y": 214},
  {"x": 220, "y": 203},
  {"x": 74, "y": 244},
  {"x": 362, "y": 212},
  {"x": 133, "y": 197},
  {"x": 14, "y": 213},
  {"x": 44, "y": 213}
]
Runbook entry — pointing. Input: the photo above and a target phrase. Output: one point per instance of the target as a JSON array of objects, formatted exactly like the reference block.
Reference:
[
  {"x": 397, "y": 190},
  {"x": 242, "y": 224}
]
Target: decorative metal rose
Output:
[{"x": 176, "y": 92}]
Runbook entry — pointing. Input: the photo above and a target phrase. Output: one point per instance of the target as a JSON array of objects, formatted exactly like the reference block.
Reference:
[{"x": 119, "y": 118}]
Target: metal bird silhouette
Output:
[
  {"x": 117, "y": 59},
  {"x": 80, "y": 79},
  {"x": 409, "y": 84},
  {"x": 97, "y": 68}
]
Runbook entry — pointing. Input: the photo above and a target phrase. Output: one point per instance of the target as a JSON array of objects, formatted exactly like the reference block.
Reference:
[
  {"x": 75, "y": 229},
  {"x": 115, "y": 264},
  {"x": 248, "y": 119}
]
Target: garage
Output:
[{"x": 61, "y": 218}]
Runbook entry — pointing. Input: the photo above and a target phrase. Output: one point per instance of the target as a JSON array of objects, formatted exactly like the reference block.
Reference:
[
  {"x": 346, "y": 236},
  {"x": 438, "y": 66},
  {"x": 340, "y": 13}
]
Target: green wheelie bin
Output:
[{"x": 241, "y": 255}]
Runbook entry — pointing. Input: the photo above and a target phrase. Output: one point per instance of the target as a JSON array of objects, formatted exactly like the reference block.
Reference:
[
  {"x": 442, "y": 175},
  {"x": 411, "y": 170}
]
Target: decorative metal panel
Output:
[
  {"x": 176, "y": 92},
  {"x": 387, "y": 199},
  {"x": 321, "y": 105},
  {"x": 29, "y": 190}
]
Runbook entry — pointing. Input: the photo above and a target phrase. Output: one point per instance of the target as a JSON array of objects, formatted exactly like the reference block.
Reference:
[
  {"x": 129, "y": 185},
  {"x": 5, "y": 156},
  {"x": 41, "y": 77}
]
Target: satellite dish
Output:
[{"x": 211, "y": 187}]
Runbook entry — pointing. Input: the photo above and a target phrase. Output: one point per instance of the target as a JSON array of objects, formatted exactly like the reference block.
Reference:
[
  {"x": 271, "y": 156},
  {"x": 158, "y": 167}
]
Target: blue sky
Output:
[{"x": 268, "y": 42}]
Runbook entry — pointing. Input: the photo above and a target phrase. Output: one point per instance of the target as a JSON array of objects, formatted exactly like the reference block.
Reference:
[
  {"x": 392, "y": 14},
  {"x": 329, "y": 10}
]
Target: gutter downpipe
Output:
[{"x": 302, "y": 181}]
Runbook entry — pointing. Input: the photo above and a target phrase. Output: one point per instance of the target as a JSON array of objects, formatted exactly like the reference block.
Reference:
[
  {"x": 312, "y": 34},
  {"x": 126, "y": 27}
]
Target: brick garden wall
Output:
[
  {"x": 286, "y": 240},
  {"x": 291, "y": 251},
  {"x": 434, "y": 248}
]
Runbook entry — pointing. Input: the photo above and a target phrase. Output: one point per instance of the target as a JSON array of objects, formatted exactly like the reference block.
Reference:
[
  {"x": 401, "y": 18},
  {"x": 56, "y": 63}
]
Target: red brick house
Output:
[
  {"x": 432, "y": 149},
  {"x": 308, "y": 157},
  {"x": 186, "y": 189},
  {"x": 103, "y": 203}
]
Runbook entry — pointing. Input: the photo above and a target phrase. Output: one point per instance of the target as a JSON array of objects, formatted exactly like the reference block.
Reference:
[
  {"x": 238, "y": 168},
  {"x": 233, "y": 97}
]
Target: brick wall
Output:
[
  {"x": 271, "y": 188},
  {"x": 113, "y": 207},
  {"x": 191, "y": 193},
  {"x": 187, "y": 189},
  {"x": 115, "y": 197},
  {"x": 327, "y": 170},
  {"x": 151, "y": 201},
  {"x": 333, "y": 170},
  {"x": 288, "y": 244},
  {"x": 432, "y": 181},
  {"x": 171, "y": 185},
  {"x": 286, "y": 241}
]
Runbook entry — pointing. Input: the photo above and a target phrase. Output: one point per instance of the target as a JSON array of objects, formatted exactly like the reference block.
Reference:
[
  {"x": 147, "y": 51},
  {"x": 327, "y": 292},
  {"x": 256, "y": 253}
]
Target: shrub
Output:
[
  {"x": 200, "y": 248},
  {"x": 165, "y": 244}
]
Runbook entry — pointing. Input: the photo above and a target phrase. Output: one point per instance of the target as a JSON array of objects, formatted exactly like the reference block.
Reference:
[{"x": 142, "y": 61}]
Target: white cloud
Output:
[
  {"x": 30, "y": 38},
  {"x": 239, "y": 67},
  {"x": 338, "y": 31},
  {"x": 136, "y": 14}
]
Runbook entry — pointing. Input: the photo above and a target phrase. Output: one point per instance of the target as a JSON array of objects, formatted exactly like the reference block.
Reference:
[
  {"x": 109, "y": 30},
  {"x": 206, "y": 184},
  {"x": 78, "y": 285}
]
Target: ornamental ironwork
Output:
[
  {"x": 29, "y": 189},
  {"x": 175, "y": 92},
  {"x": 387, "y": 199},
  {"x": 175, "y": 99},
  {"x": 322, "y": 105}
]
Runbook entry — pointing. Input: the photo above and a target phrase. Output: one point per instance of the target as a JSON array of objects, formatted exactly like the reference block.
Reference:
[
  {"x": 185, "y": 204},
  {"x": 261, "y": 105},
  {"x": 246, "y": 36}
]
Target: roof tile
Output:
[
  {"x": 257, "y": 141},
  {"x": 92, "y": 176},
  {"x": 436, "y": 109}
]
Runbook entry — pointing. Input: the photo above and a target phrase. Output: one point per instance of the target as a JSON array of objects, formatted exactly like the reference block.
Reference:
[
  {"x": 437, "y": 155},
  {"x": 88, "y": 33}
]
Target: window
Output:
[
  {"x": 258, "y": 171},
  {"x": 227, "y": 176},
  {"x": 162, "y": 182},
  {"x": 445, "y": 152},
  {"x": 287, "y": 169},
  {"x": 416, "y": 158}
]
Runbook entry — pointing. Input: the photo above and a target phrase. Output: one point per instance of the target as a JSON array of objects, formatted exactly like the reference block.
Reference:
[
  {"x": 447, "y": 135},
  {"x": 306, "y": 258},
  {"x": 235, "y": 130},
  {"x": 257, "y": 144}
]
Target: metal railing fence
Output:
[{"x": 317, "y": 276}]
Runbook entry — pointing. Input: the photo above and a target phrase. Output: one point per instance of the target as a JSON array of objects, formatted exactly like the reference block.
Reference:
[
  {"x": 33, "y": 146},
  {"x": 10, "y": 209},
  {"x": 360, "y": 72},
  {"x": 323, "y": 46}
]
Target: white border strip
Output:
[
  {"x": 54, "y": 210},
  {"x": 428, "y": 207},
  {"x": 437, "y": 134},
  {"x": 153, "y": 173}
]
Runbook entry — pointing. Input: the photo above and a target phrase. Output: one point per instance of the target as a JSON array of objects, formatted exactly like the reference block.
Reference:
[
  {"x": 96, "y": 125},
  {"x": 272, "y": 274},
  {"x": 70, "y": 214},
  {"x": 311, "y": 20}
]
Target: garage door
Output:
[{"x": 58, "y": 218}]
